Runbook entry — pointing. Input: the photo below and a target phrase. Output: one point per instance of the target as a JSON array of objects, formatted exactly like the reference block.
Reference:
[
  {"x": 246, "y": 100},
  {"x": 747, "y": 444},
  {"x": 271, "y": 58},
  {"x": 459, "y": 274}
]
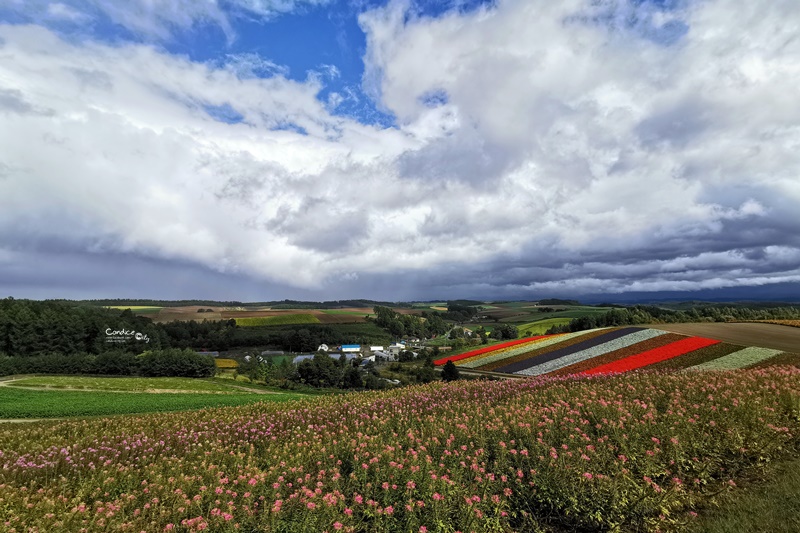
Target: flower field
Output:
[
  {"x": 607, "y": 350},
  {"x": 639, "y": 450}
]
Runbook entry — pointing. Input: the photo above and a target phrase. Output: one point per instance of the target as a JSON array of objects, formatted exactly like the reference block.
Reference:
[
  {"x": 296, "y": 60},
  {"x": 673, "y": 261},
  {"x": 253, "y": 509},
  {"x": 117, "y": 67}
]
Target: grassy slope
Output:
[
  {"x": 772, "y": 505},
  {"x": 124, "y": 383},
  {"x": 540, "y": 327},
  {"x": 22, "y": 403}
]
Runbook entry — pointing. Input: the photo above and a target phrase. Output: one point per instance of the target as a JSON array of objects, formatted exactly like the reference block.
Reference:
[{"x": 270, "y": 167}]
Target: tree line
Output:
[
  {"x": 170, "y": 362},
  {"x": 429, "y": 324},
  {"x": 647, "y": 314}
]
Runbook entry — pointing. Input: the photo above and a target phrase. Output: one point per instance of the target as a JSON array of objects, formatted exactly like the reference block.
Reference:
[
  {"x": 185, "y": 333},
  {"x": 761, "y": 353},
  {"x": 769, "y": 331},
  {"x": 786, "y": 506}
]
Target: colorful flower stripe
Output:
[
  {"x": 616, "y": 355},
  {"x": 742, "y": 358},
  {"x": 488, "y": 358},
  {"x": 623, "y": 342},
  {"x": 653, "y": 356},
  {"x": 703, "y": 355},
  {"x": 524, "y": 364},
  {"x": 506, "y": 352},
  {"x": 537, "y": 352},
  {"x": 472, "y": 353}
]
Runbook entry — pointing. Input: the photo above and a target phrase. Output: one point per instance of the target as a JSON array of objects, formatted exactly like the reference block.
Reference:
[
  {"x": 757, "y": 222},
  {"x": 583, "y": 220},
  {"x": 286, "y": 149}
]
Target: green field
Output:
[
  {"x": 540, "y": 327},
  {"x": 139, "y": 309},
  {"x": 346, "y": 312},
  {"x": 136, "y": 384},
  {"x": 769, "y": 504},
  {"x": 23, "y": 403},
  {"x": 532, "y": 314},
  {"x": 280, "y": 320}
]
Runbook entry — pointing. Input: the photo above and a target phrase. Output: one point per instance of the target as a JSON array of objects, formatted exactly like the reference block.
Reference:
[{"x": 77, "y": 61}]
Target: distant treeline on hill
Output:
[
  {"x": 33, "y": 328},
  {"x": 277, "y": 304},
  {"x": 642, "y": 314},
  {"x": 154, "y": 363}
]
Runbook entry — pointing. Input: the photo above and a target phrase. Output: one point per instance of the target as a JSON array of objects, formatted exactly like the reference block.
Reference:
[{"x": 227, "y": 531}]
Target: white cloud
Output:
[
  {"x": 65, "y": 12},
  {"x": 556, "y": 153}
]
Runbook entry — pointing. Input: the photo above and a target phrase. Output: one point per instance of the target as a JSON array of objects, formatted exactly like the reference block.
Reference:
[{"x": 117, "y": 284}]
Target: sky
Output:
[{"x": 258, "y": 150}]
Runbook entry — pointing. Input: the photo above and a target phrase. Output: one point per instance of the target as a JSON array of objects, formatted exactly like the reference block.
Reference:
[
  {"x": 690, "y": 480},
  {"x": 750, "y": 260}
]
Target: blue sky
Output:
[{"x": 250, "y": 149}]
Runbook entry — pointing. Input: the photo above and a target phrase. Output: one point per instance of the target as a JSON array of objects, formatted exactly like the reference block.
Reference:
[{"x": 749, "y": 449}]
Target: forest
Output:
[{"x": 648, "y": 314}]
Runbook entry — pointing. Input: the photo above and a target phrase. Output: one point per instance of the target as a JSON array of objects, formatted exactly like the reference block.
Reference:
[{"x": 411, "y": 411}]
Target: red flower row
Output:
[
  {"x": 479, "y": 351},
  {"x": 651, "y": 357}
]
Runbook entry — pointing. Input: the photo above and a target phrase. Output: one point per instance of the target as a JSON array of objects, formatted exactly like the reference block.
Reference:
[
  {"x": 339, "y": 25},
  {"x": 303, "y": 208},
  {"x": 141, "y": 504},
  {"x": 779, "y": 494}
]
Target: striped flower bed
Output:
[
  {"x": 653, "y": 356},
  {"x": 741, "y": 359},
  {"x": 616, "y": 355},
  {"x": 538, "y": 352},
  {"x": 506, "y": 352},
  {"x": 590, "y": 353},
  {"x": 479, "y": 351},
  {"x": 606, "y": 336},
  {"x": 703, "y": 355},
  {"x": 493, "y": 357}
]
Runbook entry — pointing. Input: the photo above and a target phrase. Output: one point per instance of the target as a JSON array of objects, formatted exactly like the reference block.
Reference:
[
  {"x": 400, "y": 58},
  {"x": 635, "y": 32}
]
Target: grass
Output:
[
  {"x": 279, "y": 320},
  {"x": 130, "y": 384},
  {"x": 765, "y": 506},
  {"x": 346, "y": 312},
  {"x": 137, "y": 308},
  {"x": 533, "y": 314},
  {"x": 225, "y": 363},
  {"x": 540, "y": 327},
  {"x": 22, "y": 403}
]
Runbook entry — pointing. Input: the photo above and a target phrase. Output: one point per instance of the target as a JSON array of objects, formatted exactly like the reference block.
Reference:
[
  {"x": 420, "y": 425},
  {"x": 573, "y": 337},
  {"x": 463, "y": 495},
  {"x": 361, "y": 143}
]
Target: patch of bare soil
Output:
[{"x": 772, "y": 336}]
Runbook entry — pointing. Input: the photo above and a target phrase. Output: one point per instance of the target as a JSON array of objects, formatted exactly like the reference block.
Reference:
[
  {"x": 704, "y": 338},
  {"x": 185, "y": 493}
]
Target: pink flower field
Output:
[{"x": 639, "y": 451}]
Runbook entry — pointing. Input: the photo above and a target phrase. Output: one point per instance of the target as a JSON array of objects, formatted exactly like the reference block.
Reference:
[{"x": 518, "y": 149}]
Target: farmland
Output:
[
  {"x": 137, "y": 384},
  {"x": 747, "y": 334},
  {"x": 16, "y": 403},
  {"x": 540, "y": 327},
  {"x": 65, "y": 396},
  {"x": 637, "y": 451},
  {"x": 610, "y": 350},
  {"x": 278, "y": 320}
]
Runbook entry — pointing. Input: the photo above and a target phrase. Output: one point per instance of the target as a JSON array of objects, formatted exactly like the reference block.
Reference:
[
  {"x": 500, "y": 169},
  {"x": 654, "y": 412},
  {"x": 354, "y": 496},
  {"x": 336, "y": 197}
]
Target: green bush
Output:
[{"x": 177, "y": 363}]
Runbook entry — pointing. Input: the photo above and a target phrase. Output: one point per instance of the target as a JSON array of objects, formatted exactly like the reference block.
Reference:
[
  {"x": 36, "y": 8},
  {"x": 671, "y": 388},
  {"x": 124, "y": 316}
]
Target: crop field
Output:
[
  {"x": 640, "y": 452},
  {"x": 611, "y": 350},
  {"x": 279, "y": 320},
  {"x": 541, "y": 326},
  {"x": 137, "y": 308},
  {"x": 18, "y": 402},
  {"x": 169, "y": 314},
  {"x": 524, "y": 312},
  {"x": 744, "y": 333},
  {"x": 130, "y": 384},
  {"x": 223, "y": 363}
]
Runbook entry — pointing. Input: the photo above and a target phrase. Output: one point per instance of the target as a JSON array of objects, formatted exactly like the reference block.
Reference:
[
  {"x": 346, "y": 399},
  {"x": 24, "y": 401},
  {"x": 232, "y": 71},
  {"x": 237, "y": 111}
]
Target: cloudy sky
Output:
[{"x": 315, "y": 149}]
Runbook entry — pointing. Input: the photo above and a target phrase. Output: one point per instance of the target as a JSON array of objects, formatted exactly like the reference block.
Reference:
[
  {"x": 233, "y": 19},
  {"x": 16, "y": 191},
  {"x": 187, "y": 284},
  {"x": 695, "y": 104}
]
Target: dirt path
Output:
[{"x": 773, "y": 336}]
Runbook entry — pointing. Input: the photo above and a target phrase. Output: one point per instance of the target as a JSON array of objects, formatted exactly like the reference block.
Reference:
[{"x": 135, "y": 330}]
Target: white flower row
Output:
[
  {"x": 594, "y": 351},
  {"x": 469, "y": 363},
  {"x": 742, "y": 358}
]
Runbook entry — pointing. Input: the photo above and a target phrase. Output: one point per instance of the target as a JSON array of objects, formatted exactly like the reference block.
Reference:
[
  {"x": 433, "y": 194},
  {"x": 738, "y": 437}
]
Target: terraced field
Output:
[{"x": 614, "y": 350}]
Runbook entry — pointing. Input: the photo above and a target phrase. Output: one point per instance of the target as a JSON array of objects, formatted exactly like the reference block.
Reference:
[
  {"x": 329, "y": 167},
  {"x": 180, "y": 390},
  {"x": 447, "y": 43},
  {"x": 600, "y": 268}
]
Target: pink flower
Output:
[
  {"x": 337, "y": 525},
  {"x": 587, "y": 475}
]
